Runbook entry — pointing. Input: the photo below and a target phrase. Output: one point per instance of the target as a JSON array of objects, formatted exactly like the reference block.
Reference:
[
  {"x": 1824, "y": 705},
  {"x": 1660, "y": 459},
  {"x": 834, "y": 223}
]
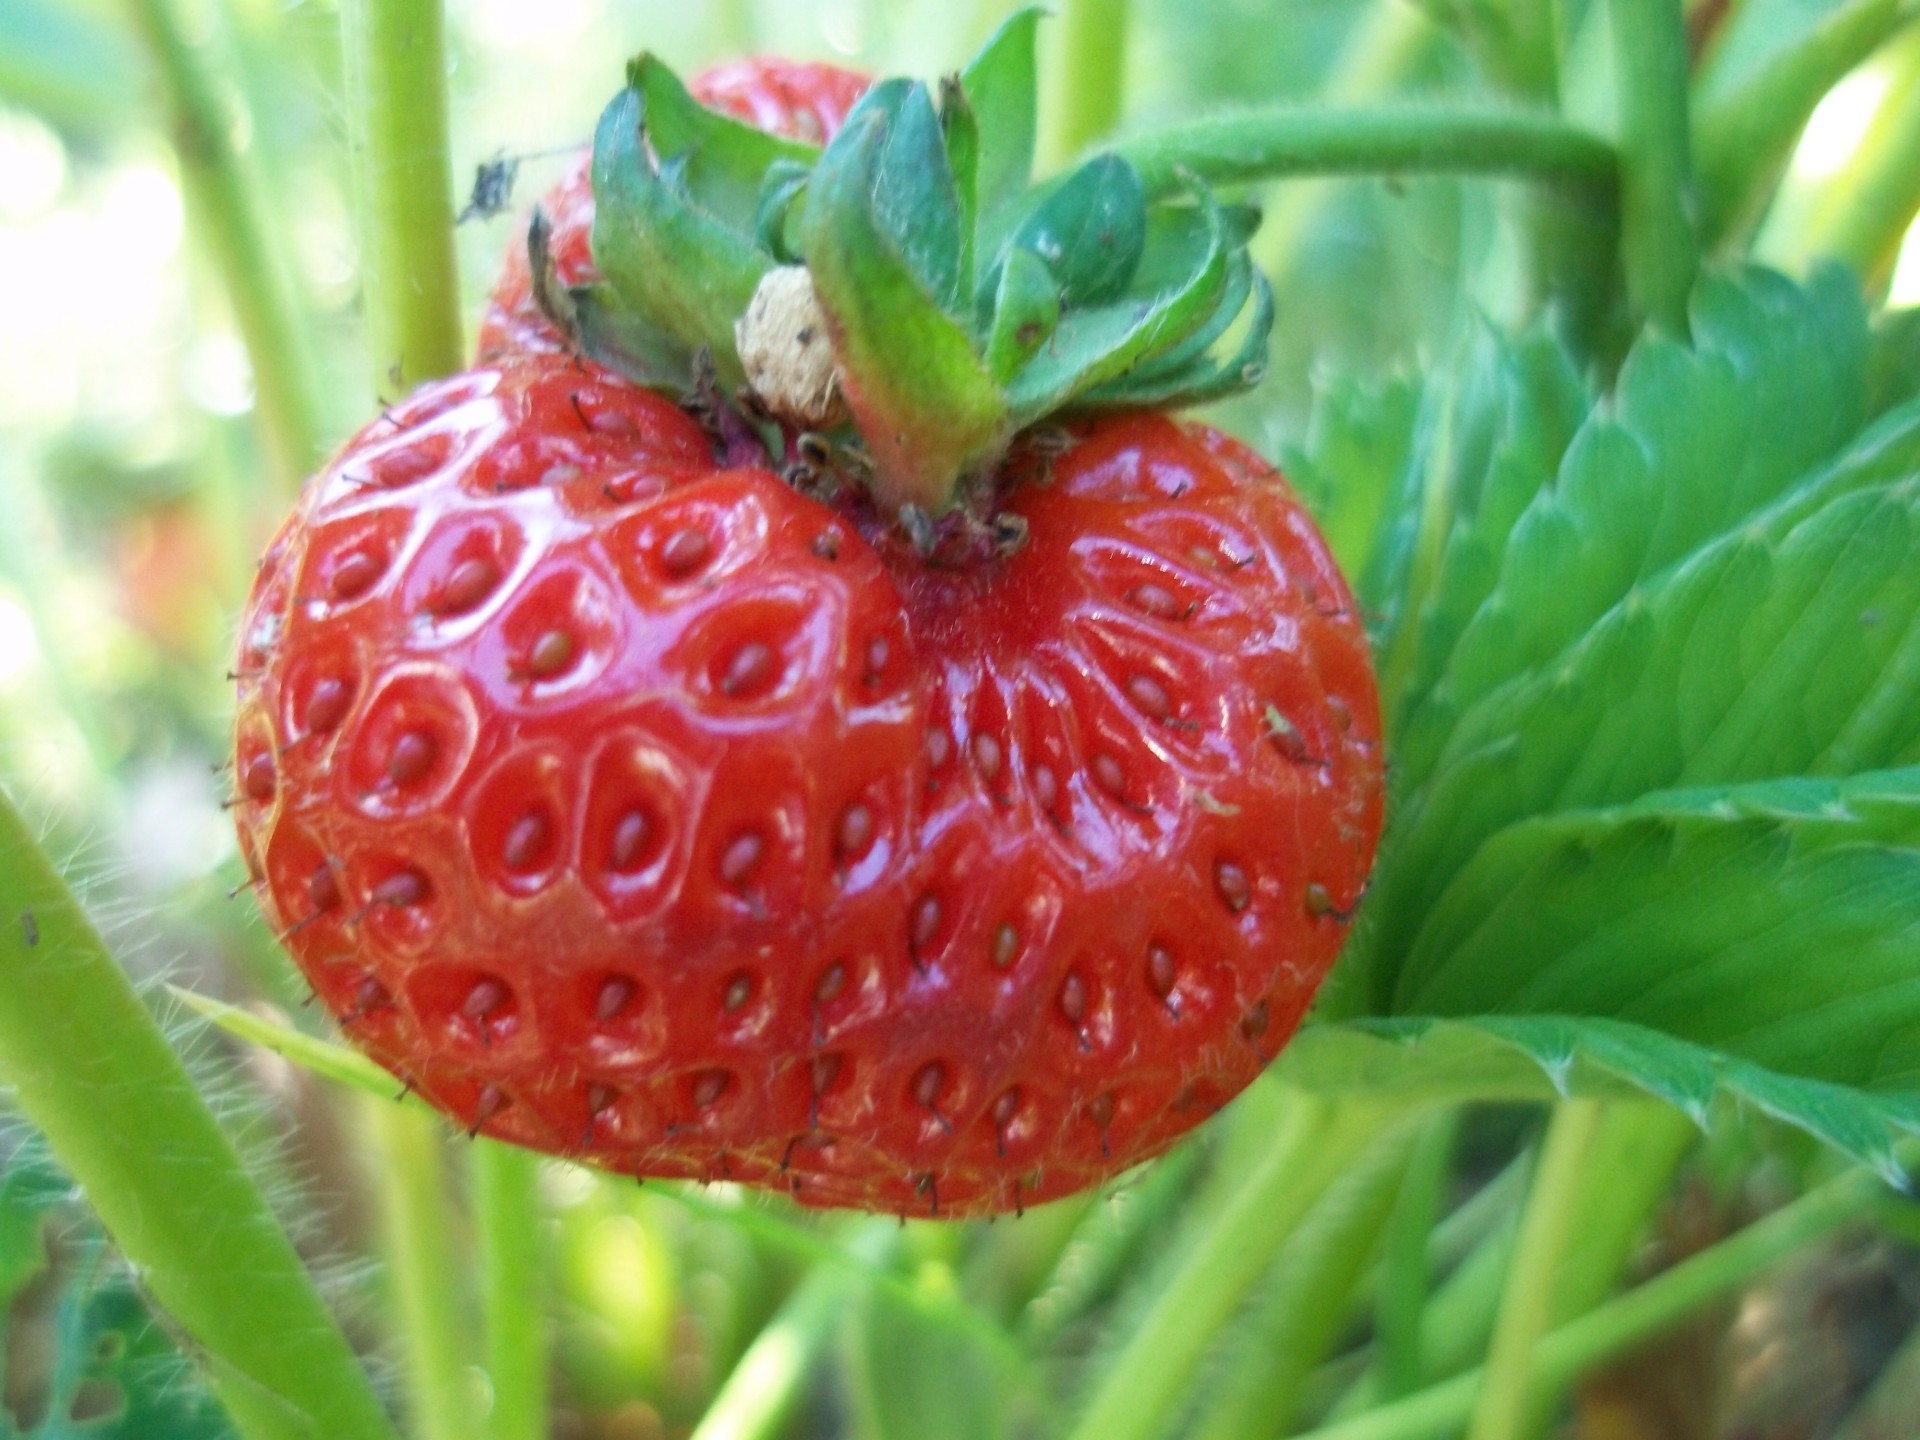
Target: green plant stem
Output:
[
  {"x": 1378, "y": 54},
  {"x": 1505, "y": 1407},
  {"x": 89, "y": 1066},
  {"x": 1089, "y": 46},
  {"x": 396, "y": 92},
  {"x": 1271, "y": 144},
  {"x": 1665, "y": 1301},
  {"x": 1305, "y": 1301},
  {"x": 228, "y": 199},
  {"x": 395, "y": 68},
  {"x": 508, "y": 1222},
  {"x": 1743, "y": 137},
  {"x": 1868, "y": 208},
  {"x": 420, "y": 1266},
  {"x": 1156, "y": 1366},
  {"x": 1405, "y": 1273},
  {"x": 758, "y": 1396},
  {"x": 1657, "y": 240}
]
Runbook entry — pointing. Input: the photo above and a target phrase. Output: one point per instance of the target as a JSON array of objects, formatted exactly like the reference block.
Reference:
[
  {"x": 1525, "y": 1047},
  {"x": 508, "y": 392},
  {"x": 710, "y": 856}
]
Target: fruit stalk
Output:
[
  {"x": 90, "y": 1068},
  {"x": 1271, "y": 144}
]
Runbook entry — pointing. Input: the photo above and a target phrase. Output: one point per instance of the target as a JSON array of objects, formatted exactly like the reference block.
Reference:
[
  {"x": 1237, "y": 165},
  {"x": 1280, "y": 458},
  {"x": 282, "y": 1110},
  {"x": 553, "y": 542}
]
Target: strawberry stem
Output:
[
  {"x": 396, "y": 82},
  {"x": 1258, "y": 1209},
  {"x": 1637, "y": 1316},
  {"x": 1273, "y": 144},
  {"x": 229, "y": 201},
  {"x": 1657, "y": 240},
  {"x": 1506, "y": 1406},
  {"x": 507, "y": 1220},
  {"x": 418, "y": 1246},
  {"x": 87, "y": 1064}
]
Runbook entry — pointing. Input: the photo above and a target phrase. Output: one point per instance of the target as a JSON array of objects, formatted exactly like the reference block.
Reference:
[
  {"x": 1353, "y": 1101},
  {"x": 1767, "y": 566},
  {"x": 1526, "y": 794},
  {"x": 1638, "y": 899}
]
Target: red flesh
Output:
[{"x": 525, "y": 608}]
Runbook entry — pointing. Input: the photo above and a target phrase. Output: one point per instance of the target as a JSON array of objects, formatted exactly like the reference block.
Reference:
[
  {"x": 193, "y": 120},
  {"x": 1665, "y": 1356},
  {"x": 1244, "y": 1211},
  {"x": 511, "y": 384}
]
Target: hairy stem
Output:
[
  {"x": 89, "y": 1066},
  {"x": 228, "y": 199},
  {"x": 421, "y": 1266},
  {"x": 1657, "y": 240},
  {"x": 396, "y": 89},
  {"x": 1156, "y": 1366},
  {"x": 1270, "y": 144}
]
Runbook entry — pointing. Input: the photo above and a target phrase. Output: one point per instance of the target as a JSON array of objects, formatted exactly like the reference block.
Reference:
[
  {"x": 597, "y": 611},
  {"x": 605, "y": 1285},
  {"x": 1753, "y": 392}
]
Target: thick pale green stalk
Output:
[
  {"x": 1866, "y": 211},
  {"x": 1743, "y": 138},
  {"x": 1663, "y": 1302},
  {"x": 1158, "y": 1363},
  {"x": 422, "y": 1270},
  {"x": 1657, "y": 239},
  {"x": 1089, "y": 46},
  {"x": 1504, "y": 1409},
  {"x": 509, "y": 1225},
  {"x": 396, "y": 74},
  {"x": 396, "y": 92},
  {"x": 89, "y": 1066},
  {"x": 1306, "y": 1304},
  {"x": 210, "y": 127},
  {"x": 1406, "y": 1272},
  {"x": 1271, "y": 144},
  {"x": 760, "y": 1393}
]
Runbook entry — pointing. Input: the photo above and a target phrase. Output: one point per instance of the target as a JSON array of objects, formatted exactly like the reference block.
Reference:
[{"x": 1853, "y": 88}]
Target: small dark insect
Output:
[
  {"x": 492, "y": 188},
  {"x": 29, "y": 928}
]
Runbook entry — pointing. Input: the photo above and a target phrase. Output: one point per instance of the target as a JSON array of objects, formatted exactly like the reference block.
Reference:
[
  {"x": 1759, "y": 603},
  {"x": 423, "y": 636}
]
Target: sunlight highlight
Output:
[{"x": 1839, "y": 123}]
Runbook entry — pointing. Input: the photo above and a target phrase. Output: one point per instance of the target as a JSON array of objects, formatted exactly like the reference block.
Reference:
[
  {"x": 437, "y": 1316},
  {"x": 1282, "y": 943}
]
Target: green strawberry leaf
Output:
[
  {"x": 1359, "y": 437},
  {"x": 999, "y": 85},
  {"x": 914, "y": 196},
  {"x": 1091, "y": 229},
  {"x": 723, "y": 161},
  {"x": 914, "y": 1375},
  {"x": 922, "y": 398},
  {"x": 1693, "y": 440},
  {"x": 1543, "y": 1057},
  {"x": 1771, "y": 922},
  {"x": 1789, "y": 645},
  {"x": 647, "y": 223},
  {"x": 1181, "y": 279}
]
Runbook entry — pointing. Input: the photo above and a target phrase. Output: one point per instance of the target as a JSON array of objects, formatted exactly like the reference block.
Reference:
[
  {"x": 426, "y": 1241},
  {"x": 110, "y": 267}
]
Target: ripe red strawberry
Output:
[
  {"x": 799, "y": 100},
  {"x": 942, "y": 823},
  {"x": 635, "y": 809}
]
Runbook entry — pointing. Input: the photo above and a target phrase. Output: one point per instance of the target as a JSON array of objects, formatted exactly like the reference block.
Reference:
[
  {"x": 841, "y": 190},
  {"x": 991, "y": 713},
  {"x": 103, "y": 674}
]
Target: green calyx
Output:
[{"x": 961, "y": 303}]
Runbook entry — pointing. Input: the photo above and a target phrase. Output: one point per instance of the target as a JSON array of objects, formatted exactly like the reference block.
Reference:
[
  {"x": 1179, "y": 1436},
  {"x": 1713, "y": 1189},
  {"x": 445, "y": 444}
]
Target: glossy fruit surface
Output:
[
  {"x": 639, "y": 810},
  {"x": 798, "y": 100}
]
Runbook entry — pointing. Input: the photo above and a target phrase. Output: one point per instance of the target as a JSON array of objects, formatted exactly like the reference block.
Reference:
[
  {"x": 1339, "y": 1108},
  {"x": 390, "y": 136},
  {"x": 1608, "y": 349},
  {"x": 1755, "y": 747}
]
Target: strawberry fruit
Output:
[{"x": 935, "y": 813}]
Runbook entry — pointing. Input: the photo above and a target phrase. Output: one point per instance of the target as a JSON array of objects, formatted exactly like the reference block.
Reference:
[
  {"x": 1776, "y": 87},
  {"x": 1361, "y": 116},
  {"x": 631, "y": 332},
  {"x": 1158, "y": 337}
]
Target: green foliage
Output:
[{"x": 82, "y": 1357}]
